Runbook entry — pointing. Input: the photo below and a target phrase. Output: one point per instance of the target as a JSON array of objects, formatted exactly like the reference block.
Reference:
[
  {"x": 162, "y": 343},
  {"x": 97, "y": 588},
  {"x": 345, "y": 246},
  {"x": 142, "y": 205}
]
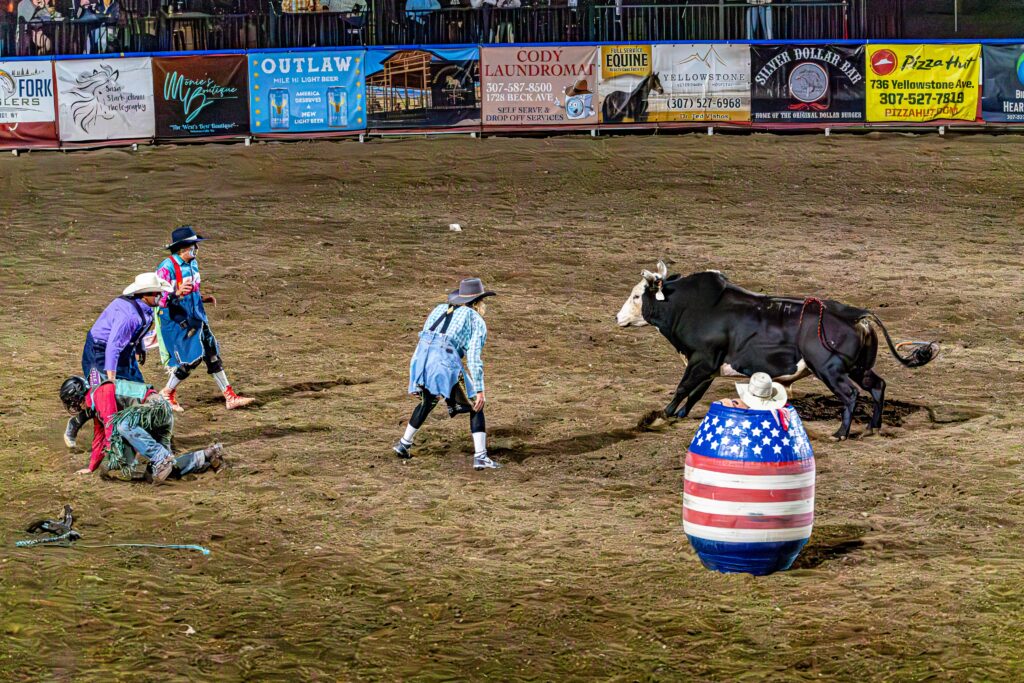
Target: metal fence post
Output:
[{"x": 721, "y": 19}]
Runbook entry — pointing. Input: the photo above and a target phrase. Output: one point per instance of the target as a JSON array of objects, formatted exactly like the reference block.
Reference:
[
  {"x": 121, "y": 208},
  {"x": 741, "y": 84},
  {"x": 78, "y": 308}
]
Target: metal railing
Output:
[
  {"x": 453, "y": 25},
  {"x": 323, "y": 29}
]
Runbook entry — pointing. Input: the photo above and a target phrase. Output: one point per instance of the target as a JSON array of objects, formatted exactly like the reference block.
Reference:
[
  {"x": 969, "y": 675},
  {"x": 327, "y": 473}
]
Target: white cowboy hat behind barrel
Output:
[{"x": 761, "y": 393}]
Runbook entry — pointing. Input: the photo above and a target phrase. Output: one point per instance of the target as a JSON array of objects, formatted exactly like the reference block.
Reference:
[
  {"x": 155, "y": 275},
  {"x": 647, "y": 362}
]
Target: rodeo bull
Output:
[{"x": 724, "y": 330}]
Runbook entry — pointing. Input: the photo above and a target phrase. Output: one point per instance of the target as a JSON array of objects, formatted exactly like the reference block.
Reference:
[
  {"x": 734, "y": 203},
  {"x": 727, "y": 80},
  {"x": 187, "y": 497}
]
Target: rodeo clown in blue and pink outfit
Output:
[
  {"x": 186, "y": 339},
  {"x": 453, "y": 331}
]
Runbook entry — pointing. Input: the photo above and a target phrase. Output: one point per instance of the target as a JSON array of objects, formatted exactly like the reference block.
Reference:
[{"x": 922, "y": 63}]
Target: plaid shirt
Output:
[{"x": 468, "y": 334}]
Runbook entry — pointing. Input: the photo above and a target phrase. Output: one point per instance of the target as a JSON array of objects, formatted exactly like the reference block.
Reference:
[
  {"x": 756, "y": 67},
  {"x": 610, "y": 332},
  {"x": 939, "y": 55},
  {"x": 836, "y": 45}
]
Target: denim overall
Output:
[
  {"x": 94, "y": 354},
  {"x": 436, "y": 364}
]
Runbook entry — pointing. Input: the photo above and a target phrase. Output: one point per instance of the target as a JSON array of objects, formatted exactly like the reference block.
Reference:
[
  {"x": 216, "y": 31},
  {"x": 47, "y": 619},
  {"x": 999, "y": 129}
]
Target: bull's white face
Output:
[{"x": 631, "y": 313}]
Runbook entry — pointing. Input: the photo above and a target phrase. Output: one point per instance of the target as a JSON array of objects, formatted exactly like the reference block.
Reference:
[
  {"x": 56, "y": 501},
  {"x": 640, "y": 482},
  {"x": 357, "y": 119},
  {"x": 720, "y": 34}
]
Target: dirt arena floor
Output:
[{"x": 333, "y": 560}]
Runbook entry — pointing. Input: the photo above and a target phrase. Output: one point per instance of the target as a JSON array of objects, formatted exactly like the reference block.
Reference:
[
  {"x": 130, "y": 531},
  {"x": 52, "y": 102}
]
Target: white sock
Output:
[
  {"x": 480, "y": 443},
  {"x": 172, "y": 382},
  {"x": 410, "y": 432},
  {"x": 222, "y": 380}
]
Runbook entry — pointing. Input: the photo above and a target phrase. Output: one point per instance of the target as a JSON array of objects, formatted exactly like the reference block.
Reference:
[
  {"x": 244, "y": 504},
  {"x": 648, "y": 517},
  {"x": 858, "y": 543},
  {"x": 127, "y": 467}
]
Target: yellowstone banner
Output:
[
  {"x": 700, "y": 83},
  {"x": 1003, "y": 83},
  {"x": 27, "y": 104},
  {"x": 105, "y": 99},
  {"x": 200, "y": 96},
  {"x": 306, "y": 92},
  {"x": 539, "y": 86},
  {"x": 423, "y": 88},
  {"x": 807, "y": 83},
  {"x": 922, "y": 82}
]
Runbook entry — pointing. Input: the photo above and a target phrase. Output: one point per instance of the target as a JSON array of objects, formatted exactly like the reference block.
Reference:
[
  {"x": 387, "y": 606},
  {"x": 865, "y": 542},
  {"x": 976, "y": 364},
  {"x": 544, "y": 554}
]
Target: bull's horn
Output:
[
  {"x": 649, "y": 276},
  {"x": 662, "y": 270}
]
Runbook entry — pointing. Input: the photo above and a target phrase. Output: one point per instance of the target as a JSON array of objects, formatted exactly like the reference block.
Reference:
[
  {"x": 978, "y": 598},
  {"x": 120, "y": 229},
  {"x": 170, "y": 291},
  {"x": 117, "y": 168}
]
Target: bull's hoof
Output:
[
  {"x": 873, "y": 431},
  {"x": 839, "y": 436}
]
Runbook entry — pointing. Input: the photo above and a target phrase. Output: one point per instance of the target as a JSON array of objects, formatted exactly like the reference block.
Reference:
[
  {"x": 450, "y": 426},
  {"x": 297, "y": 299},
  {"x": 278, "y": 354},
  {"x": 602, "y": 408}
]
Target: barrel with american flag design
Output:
[{"x": 748, "y": 497}]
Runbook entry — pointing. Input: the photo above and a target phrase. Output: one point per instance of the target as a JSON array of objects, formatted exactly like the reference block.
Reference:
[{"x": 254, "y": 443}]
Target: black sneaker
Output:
[{"x": 402, "y": 450}]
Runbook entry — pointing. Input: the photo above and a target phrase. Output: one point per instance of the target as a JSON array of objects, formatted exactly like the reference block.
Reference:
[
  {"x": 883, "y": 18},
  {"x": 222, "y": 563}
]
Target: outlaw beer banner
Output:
[
  {"x": 1003, "y": 87},
  {"x": 200, "y": 96},
  {"x": 304, "y": 92},
  {"x": 105, "y": 99},
  {"x": 27, "y": 103},
  {"x": 807, "y": 83},
  {"x": 700, "y": 83},
  {"x": 923, "y": 82},
  {"x": 423, "y": 88},
  {"x": 539, "y": 86}
]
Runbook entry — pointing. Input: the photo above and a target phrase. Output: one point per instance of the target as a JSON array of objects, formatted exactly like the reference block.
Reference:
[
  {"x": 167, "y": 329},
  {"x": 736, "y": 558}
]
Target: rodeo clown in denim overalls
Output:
[
  {"x": 184, "y": 330},
  {"x": 453, "y": 331}
]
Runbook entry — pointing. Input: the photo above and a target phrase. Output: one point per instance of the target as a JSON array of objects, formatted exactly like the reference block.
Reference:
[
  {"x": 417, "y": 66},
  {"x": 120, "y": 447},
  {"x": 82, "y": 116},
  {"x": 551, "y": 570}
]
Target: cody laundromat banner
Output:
[
  {"x": 549, "y": 85},
  {"x": 807, "y": 83},
  {"x": 423, "y": 88},
  {"x": 923, "y": 82},
  {"x": 203, "y": 96},
  {"x": 318, "y": 91},
  {"x": 28, "y": 114}
]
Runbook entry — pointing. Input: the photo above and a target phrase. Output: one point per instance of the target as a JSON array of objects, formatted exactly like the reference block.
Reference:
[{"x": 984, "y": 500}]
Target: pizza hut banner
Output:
[
  {"x": 807, "y": 83},
  {"x": 27, "y": 104},
  {"x": 1003, "y": 87},
  {"x": 539, "y": 86},
  {"x": 203, "y": 96},
  {"x": 923, "y": 82},
  {"x": 105, "y": 99}
]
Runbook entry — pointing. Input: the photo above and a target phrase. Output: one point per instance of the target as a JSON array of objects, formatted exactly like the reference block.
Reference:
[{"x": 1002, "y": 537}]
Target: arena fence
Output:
[{"x": 105, "y": 99}]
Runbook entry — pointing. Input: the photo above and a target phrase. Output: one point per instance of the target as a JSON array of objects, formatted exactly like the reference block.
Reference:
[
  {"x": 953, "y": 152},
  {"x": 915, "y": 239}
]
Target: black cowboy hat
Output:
[
  {"x": 470, "y": 289},
  {"x": 183, "y": 235}
]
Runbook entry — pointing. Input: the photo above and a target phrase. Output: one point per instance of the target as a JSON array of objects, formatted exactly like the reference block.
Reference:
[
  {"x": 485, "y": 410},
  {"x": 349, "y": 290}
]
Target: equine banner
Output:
[
  {"x": 807, "y": 83},
  {"x": 202, "y": 96},
  {"x": 423, "y": 88},
  {"x": 1003, "y": 84},
  {"x": 105, "y": 99},
  {"x": 923, "y": 82},
  {"x": 27, "y": 104},
  {"x": 539, "y": 86},
  {"x": 305, "y": 92},
  {"x": 698, "y": 83}
]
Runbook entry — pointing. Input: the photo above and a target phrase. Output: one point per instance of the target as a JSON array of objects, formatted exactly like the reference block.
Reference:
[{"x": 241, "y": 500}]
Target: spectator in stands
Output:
[
  {"x": 759, "y": 12},
  {"x": 104, "y": 14},
  {"x": 32, "y": 15},
  {"x": 418, "y": 12},
  {"x": 487, "y": 7}
]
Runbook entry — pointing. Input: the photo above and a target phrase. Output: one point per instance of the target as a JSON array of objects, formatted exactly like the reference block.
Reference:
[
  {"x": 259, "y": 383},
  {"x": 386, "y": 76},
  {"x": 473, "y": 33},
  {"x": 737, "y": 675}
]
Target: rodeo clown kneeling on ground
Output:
[
  {"x": 132, "y": 436},
  {"x": 184, "y": 330},
  {"x": 453, "y": 331}
]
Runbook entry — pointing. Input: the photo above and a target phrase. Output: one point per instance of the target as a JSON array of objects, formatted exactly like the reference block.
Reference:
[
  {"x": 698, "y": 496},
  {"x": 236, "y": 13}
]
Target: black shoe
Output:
[{"x": 402, "y": 450}]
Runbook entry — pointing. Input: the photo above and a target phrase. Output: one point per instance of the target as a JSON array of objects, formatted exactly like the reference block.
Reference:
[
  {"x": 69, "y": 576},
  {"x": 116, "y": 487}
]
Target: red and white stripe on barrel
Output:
[{"x": 748, "y": 498}]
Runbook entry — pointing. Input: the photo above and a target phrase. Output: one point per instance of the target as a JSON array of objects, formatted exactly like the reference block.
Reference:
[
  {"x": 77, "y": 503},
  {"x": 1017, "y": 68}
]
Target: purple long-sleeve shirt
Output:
[{"x": 116, "y": 326}]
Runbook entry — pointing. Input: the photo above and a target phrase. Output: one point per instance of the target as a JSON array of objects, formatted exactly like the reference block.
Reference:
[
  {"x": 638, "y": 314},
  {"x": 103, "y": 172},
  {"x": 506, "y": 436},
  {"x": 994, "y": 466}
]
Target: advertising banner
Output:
[
  {"x": 105, "y": 99},
  {"x": 201, "y": 96},
  {"x": 423, "y": 88},
  {"x": 807, "y": 83},
  {"x": 304, "y": 92},
  {"x": 27, "y": 103},
  {"x": 1003, "y": 85},
  {"x": 922, "y": 82},
  {"x": 682, "y": 83},
  {"x": 539, "y": 86}
]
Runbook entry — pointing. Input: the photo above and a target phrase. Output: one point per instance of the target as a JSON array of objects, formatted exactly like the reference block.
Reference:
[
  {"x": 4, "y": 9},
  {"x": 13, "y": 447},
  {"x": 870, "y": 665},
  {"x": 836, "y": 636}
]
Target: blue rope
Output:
[
  {"x": 39, "y": 541},
  {"x": 64, "y": 537}
]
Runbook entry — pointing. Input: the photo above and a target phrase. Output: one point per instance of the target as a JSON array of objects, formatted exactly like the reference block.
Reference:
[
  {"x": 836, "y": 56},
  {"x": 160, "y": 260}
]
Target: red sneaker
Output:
[
  {"x": 233, "y": 400},
  {"x": 172, "y": 398}
]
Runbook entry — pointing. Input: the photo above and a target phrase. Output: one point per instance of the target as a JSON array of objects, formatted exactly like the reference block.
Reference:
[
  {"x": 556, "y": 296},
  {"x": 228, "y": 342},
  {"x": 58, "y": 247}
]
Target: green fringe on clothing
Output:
[{"x": 155, "y": 416}]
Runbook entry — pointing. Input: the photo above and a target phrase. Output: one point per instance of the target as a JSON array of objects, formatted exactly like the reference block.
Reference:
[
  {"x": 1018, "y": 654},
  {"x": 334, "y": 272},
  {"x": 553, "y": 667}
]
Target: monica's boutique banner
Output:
[
  {"x": 807, "y": 83},
  {"x": 305, "y": 92},
  {"x": 1003, "y": 78},
  {"x": 27, "y": 103},
  {"x": 909, "y": 82},
  {"x": 413, "y": 89},
  {"x": 201, "y": 96},
  {"x": 105, "y": 99},
  {"x": 539, "y": 85}
]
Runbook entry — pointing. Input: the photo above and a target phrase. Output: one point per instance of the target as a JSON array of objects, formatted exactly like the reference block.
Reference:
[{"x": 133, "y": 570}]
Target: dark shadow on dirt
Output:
[
  {"x": 186, "y": 443},
  {"x": 573, "y": 445},
  {"x": 277, "y": 393},
  {"x": 829, "y": 543},
  {"x": 817, "y": 407}
]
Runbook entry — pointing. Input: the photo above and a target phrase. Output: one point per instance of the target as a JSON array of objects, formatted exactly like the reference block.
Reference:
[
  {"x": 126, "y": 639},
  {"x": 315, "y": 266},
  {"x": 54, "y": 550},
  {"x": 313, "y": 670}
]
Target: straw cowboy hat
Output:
[
  {"x": 182, "y": 236},
  {"x": 761, "y": 393},
  {"x": 148, "y": 283},
  {"x": 470, "y": 289}
]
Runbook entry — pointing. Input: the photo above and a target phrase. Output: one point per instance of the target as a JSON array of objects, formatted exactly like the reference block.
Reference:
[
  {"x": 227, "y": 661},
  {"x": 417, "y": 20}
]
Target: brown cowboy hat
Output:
[
  {"x": 470, "y": 289},
  {"x": 581, "y": 87}
]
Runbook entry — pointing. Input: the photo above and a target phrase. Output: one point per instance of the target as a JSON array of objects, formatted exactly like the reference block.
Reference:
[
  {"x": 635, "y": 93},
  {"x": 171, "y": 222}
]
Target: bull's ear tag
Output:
[{"x": 659, "y": 295}]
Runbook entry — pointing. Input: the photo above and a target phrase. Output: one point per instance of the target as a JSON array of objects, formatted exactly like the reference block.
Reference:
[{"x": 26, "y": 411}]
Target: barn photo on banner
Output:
[
  {"x": 1003, "y": 83},
  {"x": 907, "y": 82},
  {"x": 807, "y": 83},
  {"x": 306, "y": 92},
  {"x": 203, "y": 96},
  {"x": 539, "y": 86},
  {"x": 423, "y": 88},
  {"x": 105, "y": 99},
  {"x": 28, "y": 110},
  {"x": 680, "y": 83}
]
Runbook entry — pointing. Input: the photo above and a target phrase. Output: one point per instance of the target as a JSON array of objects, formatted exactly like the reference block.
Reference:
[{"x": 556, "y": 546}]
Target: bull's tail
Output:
[{"x": 921, "y": 352}]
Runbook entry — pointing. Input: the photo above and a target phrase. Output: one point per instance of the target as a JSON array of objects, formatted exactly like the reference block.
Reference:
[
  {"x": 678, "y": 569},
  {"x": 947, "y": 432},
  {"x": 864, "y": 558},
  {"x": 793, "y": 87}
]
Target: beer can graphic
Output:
[
  {"x": 337, "y": 111},
  {"x": 279, "y": 114}
]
